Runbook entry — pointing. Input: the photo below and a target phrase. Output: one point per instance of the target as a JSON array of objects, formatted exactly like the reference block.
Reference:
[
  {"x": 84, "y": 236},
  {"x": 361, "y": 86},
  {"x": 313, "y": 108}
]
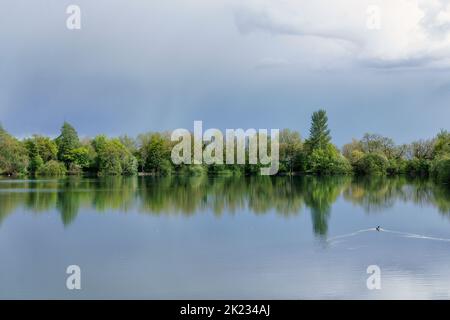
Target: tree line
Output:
[{"x": 150, "y": 153}]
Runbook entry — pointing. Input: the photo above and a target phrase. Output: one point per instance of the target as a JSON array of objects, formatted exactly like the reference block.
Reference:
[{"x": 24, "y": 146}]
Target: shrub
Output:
[
  {"x": 52, "y": 168},
  {"x": 372, "y": 163}
]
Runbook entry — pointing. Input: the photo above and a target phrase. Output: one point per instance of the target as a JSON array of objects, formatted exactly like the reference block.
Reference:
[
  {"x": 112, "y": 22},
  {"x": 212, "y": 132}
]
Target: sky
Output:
[{"x": 137, "y": 66}]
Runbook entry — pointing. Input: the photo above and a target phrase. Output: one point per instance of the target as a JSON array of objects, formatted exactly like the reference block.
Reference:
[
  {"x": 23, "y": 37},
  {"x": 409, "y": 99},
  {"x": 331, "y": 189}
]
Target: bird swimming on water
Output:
[{"x": 378, "y": 228}]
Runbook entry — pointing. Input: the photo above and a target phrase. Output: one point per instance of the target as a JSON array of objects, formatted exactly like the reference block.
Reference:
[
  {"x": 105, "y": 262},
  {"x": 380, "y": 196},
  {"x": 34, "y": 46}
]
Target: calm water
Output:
[{"x": 224, "y": 237}]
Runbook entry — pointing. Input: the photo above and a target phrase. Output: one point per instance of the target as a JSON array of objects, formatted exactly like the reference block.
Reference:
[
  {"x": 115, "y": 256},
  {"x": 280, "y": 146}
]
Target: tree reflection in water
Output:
[{"x": 285, "y": 196}]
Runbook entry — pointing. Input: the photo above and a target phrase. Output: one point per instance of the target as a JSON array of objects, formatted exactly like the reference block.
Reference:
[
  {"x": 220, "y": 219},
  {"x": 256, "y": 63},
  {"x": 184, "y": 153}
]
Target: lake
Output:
[{"x": 225, "y": 237}]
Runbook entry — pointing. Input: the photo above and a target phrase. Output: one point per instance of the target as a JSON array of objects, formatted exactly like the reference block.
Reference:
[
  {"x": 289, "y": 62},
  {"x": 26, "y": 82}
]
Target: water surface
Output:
[{"x": 224, "y": 237}]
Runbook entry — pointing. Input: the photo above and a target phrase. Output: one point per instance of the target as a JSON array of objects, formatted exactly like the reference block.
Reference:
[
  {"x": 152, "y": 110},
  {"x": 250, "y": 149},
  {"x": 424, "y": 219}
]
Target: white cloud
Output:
[
  {"x": 436, "y": 19},
  {"x": 412, "y": 33}
]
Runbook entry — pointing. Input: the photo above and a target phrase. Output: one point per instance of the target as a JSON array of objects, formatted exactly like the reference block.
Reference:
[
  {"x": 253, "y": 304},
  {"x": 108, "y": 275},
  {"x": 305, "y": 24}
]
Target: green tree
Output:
[
  {"x": 129, "y": 143},
  {"x": 46, "y": 147},
  {"x": 35, "y": 163},
  {"x": 291, "y": 147},
  {"x": 421, "y": 149},
  {"x": 33, "y": 154},
  {"x": 440, "y": 166},
  {"x": 322, "y": 157},
  {"x": 440, "y": 169},
  {"x": 13, "y": 155},
  {"x": 375, "y": 143},
  {"x": 319, "y": 134},
  {"x": 40, "y": 150},
  {"x": 401, "y": 151},
  {"x": 353, "y": 151},
  {"x": 156, "y": 154},
  {"x": 113, "y": 158},
  {"x": 43, "y": 146},
  {"x": 142, "y": 152},
  {"x": 67, "y": 141},
  {"x": 80, "y": 156},
  {"x": 442, "y": 144}
]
